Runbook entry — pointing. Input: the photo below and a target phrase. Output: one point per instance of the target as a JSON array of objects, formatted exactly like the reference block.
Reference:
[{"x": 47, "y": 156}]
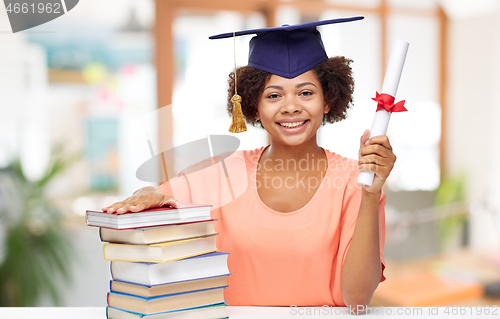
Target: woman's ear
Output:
[
  {"x": 257, "y": 117},
  {"x": 326, "y": 109}
]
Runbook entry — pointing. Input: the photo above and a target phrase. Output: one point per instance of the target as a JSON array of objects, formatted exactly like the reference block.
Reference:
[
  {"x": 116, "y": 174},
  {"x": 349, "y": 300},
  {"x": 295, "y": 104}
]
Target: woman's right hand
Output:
[{"x": 144, "y": 198}]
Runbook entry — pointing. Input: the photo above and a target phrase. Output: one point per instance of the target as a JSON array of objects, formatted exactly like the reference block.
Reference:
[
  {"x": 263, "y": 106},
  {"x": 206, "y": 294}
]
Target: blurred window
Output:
[{"x": 202, "y": 67}]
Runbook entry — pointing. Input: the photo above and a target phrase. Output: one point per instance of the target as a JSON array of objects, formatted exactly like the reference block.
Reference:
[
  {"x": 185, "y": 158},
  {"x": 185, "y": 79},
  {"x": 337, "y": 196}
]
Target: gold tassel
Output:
[{"x": 238, "y": 125}]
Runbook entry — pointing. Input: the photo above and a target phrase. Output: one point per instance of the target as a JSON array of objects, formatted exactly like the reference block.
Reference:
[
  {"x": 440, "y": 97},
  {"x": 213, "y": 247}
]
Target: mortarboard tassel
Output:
[{"x": 238, "y": 125}]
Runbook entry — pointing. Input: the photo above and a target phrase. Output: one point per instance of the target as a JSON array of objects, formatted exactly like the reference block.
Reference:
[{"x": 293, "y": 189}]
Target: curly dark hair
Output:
[{"x": 335, "y": 75}]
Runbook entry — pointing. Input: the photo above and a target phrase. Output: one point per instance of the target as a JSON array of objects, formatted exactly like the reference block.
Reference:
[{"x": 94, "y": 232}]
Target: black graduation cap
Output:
[{"x": 289, "y": 50}]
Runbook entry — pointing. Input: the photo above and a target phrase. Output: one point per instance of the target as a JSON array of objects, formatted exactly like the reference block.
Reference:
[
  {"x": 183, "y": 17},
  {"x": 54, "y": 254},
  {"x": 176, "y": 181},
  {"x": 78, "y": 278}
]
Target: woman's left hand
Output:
[{"x": 375, "y": 155}]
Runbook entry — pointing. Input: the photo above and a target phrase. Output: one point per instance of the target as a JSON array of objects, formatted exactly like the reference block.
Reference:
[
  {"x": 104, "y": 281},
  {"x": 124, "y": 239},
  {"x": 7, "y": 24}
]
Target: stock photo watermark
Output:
[
  {"x": 295, "y": 174},
  {"x": 453, "y": 311},
  {"x": 27, "y": 14}
]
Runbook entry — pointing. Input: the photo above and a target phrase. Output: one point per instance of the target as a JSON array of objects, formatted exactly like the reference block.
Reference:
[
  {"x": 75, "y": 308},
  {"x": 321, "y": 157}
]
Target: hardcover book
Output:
[
  {"x": 153, "y": 235},
  {"x": 206, "y": 312},
  {"x": 167, "y": 289},
  {"x": 150, "y": 217},
  {"x": 151, "y": 274},
  {"x": 180, "y": 301},
  {"x": 162, "y": 252}
]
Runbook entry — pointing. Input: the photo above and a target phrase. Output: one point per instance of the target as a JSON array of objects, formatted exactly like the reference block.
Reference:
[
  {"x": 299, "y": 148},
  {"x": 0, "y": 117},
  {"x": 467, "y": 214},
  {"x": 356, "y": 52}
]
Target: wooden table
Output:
[{"x": 466, "y": 262}]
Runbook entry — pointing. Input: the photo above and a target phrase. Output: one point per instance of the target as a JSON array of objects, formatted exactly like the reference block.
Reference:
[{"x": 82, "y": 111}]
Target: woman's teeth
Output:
[{"x": 290, "y": 125}]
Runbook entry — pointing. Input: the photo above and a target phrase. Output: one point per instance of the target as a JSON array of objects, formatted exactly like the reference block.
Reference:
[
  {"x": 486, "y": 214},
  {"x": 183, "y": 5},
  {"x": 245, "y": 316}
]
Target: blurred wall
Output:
[{"x": 473, "y": 114}]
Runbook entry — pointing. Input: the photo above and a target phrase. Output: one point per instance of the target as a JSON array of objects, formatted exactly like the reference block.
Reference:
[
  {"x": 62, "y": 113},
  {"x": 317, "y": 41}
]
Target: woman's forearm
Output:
[{"x": 362, "y": 269}]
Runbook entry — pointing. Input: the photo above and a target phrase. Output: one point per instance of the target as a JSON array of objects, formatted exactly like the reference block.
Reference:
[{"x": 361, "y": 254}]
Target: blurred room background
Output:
[{"x": 87, "y": 98}]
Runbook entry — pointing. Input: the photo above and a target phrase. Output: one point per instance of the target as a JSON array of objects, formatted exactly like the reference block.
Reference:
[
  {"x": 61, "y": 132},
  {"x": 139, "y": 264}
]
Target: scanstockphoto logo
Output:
[{"x": 26, "y": 14}]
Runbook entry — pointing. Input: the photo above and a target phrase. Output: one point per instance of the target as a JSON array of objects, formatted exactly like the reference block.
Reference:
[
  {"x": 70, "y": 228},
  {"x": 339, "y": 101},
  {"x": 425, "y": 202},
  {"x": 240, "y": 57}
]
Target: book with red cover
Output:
[{"x": 185, "y": 213}]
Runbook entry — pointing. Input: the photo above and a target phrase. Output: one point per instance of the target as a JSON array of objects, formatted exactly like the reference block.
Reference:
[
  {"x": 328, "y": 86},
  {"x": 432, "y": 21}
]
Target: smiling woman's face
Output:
[{"x": 291, "y": 110}]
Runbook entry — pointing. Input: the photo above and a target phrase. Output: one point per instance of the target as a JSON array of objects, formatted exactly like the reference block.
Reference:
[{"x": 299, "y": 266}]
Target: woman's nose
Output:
[{"x": 291, "y": 105}]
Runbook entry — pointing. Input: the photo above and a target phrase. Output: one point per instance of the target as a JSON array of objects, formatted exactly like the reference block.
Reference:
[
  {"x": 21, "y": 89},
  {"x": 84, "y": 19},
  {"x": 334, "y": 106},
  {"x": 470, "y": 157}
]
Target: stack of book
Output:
[{"x": 164, "y": 263}]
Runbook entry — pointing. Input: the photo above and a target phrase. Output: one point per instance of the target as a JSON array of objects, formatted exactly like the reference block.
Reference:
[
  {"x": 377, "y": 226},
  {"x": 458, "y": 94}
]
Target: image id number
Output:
[
  {"x": 32, "y": 8},
  {"x": 479, "y": 310}
]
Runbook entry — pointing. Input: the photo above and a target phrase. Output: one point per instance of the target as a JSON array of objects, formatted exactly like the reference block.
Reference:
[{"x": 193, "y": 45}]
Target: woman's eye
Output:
[
  {"x": 273, "y": 96},
  {"x": 306, "y": 93}
]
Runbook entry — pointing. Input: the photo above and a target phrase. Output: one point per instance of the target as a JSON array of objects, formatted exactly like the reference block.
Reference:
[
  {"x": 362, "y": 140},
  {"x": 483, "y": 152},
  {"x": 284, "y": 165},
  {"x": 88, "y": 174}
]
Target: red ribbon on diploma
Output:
[{"x": 386, "y": 102}]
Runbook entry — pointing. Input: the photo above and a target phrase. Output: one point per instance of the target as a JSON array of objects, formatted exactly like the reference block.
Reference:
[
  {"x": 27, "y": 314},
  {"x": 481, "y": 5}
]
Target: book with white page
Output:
[
  {"x": 158, "y": 234},
  {"x": 161, "y": 304},
  {"x": 150, "y": 217},
  {"x": 167, "y": 289},
  {"x": 150, "y": 274},
  {"x": 162, "y": 252},
  {"x": 216, "y": 311}
]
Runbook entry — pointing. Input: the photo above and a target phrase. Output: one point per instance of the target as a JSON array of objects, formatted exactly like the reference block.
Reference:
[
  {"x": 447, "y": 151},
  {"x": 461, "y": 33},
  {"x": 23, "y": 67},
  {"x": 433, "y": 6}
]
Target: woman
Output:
[{"x": 302, "y": 232}]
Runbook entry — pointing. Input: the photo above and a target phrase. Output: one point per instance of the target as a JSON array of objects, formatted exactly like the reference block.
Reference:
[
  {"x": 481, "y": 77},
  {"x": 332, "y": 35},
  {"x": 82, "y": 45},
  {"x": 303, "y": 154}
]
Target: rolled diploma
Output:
[{"x": 390, "y": 86}]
